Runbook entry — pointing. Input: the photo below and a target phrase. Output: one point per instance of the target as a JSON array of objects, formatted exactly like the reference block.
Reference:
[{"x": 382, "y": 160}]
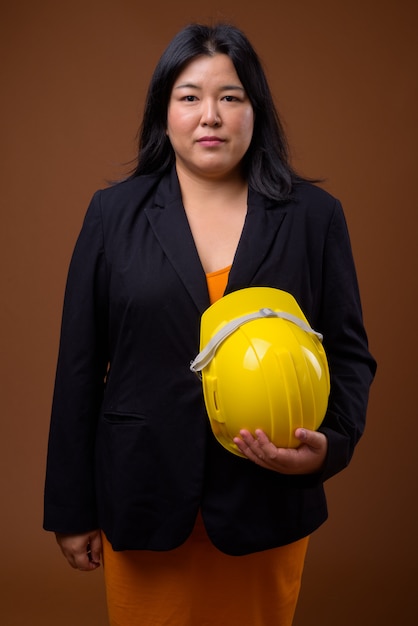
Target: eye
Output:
[
  {"x": 230, "y": 98},
  {"x": 189, "y": 98}
]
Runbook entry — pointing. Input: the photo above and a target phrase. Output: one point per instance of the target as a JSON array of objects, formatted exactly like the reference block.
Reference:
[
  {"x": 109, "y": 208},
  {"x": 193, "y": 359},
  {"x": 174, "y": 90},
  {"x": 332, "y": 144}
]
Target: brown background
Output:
[{"x": 344, "y": 75}]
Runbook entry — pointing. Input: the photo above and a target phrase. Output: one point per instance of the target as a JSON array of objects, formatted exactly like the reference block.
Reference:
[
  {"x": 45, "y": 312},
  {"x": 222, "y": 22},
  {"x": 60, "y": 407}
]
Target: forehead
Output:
[{"x": 206, "y": 69}]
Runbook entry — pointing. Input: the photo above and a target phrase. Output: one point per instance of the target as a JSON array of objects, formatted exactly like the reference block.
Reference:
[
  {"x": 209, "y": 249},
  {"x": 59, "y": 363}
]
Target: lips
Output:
[{"x": 210, "y": 140}]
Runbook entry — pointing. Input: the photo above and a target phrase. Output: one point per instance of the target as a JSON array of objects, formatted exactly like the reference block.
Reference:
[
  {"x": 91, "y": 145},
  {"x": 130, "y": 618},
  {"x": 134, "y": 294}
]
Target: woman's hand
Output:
[
  {"x": 83, "y": 552},
  {"x": 308, "y": 458}
]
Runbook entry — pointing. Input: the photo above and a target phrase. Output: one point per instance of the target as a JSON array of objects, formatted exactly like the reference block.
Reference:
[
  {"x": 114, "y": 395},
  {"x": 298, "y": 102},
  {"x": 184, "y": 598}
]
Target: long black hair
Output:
[{"x": 266, "y": 164}]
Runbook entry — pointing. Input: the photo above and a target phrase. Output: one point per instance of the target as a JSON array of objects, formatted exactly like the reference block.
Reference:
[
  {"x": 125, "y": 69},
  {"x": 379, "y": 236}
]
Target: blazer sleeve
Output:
[
  {"x": 352, "y": 367},
  {"x": 70, "y": 503}
]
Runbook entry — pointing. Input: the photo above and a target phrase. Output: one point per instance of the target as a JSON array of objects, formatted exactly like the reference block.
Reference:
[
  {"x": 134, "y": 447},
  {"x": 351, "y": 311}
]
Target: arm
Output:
[
  {"x": 352, "y": 369},
  {"x": 70, "y": 505}
]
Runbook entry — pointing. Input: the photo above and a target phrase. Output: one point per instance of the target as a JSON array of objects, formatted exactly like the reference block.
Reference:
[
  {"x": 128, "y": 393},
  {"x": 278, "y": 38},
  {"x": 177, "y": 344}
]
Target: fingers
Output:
[
  {"x": 82, "y": 551},
  {"x": 308, "y": 458},
  {"x": 258, "y": 448}
]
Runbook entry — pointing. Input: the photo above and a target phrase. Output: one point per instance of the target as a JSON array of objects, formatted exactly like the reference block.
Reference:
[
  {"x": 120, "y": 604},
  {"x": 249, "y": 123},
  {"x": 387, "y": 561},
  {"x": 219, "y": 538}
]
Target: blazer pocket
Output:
[{"x": 124, "y": 418}]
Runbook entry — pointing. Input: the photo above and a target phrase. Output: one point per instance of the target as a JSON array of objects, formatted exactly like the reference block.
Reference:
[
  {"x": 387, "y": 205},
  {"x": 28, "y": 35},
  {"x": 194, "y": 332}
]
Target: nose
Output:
[{"x": 210, "y": 114}]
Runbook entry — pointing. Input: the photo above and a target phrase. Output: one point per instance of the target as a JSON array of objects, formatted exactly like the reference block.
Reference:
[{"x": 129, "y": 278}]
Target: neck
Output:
[{"x": 210, "y": 190}]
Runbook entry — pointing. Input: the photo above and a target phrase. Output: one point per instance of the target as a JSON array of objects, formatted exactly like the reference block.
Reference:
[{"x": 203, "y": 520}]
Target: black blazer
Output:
[{"x": 130, "y": 446}]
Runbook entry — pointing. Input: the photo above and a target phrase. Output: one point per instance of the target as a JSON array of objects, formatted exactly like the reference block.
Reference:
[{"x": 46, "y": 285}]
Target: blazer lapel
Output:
[
  {"x": 169, "y": 223},
  {"x": 263, "y": 221}
]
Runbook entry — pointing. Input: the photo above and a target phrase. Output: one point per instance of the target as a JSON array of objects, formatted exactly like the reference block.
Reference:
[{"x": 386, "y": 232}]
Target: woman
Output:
[{"x": 192, "y": 534}]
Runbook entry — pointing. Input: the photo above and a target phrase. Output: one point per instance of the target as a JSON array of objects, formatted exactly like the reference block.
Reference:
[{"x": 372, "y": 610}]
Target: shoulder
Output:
[
  {"x": 134, "y": 191},
  {"x": 313, "y": 195},
  {"x": 113, "y": 208},
  {"x": 315, "y": 205}
]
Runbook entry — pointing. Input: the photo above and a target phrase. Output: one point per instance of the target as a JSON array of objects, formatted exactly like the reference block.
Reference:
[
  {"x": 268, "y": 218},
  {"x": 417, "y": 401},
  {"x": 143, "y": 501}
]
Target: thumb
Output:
[
  {"x": 311, "y": 438},
  {"x": 95, "y": 544}
]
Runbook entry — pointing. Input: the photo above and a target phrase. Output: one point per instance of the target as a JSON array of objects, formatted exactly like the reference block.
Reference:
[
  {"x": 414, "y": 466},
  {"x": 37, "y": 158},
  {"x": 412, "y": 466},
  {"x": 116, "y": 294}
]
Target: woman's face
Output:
[{"x": 210, "y": 119}]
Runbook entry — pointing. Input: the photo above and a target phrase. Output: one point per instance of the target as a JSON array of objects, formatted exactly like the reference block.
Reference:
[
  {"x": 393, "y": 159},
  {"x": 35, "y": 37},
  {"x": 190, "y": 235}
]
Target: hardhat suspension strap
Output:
[{"x": 206, "y": 355}]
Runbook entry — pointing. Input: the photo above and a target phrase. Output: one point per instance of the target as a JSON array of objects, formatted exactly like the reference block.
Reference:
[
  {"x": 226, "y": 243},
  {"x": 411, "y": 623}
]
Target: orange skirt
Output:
[{"x": 197, "y": 585}]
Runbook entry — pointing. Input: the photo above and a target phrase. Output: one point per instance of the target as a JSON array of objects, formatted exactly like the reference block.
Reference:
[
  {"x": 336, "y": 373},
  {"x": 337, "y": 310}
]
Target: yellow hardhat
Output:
[{"x": 262, "y": 366}]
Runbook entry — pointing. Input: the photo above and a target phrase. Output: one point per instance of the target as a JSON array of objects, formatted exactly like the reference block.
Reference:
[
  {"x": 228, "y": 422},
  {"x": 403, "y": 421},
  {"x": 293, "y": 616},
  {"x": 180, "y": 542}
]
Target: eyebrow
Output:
[{"x": 223, "y": 88}]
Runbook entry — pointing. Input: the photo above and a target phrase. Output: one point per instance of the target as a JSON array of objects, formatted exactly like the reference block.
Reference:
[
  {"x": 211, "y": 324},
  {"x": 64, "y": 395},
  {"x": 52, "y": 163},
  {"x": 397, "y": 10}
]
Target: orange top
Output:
[{"x": 217, "y": 282}]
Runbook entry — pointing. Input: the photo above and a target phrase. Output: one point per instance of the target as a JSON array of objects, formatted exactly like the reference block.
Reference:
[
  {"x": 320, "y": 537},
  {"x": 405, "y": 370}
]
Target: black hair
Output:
[{"x": 266, "y": 164}]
